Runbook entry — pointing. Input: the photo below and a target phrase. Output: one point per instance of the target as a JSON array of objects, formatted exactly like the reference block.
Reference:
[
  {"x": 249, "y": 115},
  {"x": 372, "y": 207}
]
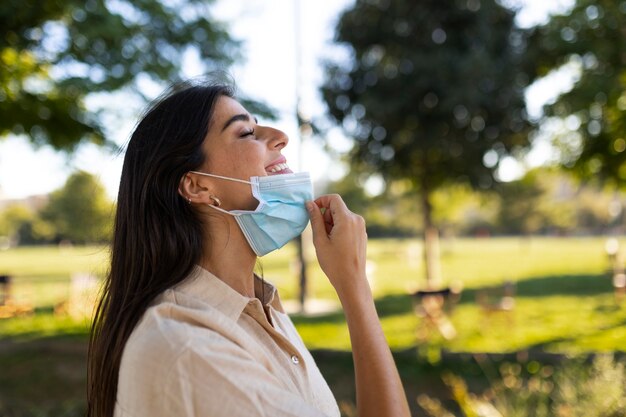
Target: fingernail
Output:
[{"x": 309, "y": 206}]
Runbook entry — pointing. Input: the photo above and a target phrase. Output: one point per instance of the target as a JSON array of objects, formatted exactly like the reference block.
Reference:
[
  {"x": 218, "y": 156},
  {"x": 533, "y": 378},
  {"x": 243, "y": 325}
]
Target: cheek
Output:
[
  {"x": 242, "y": 166},
  {"x": 225, "y": 163},
  {"x": 239, "y": 160},
  {"x": 246, "y": 157},
  {"x": 251, "y": 159}
]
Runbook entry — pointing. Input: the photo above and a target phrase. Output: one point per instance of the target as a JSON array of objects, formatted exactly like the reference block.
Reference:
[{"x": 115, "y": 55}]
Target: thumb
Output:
[{"x": 317, "y": 221}]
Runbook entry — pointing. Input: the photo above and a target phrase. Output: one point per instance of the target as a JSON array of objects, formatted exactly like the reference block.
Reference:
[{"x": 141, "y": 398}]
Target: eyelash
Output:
[{"x": 248, "y": 133}]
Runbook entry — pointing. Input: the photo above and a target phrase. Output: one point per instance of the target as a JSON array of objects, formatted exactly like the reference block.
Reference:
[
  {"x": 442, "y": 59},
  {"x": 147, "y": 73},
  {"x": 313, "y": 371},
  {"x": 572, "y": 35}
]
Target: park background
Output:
[{"x": 496, "y": 138}]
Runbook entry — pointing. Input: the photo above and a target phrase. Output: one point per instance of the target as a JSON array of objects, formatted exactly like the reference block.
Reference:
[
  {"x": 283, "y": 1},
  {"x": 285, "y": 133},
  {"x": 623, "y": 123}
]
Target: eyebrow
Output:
[{"x": 238, "y": 118}]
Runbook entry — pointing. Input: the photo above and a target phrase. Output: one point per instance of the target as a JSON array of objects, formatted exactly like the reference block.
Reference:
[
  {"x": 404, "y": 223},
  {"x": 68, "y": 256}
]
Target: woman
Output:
[{"x": 184, "y": 326}]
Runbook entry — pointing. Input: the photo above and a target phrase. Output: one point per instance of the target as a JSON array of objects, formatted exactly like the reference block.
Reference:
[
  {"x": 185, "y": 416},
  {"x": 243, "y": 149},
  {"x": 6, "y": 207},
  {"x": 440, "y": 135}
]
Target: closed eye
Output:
[{"x": 247, "y": 133}]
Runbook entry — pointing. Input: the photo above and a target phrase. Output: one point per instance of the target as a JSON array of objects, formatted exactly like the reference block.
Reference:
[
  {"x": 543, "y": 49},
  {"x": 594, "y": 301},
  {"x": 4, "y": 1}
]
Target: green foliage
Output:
[
  {"x": 396, "y": 212},
  {"x": 540, "y": 201},
  {"x": 390, "y": 214},
  {"x": 590, "y": 39},
  {"x": 23, "y": 226},
  {"x": 459, "y": 209},
  {"x": 432, "y": 94},
  {"x": 430, "y": 89},
  {"x": 574, "y": 389},
  {"x": 597, "y": 208},
  {"x": 54, "y": 53},
  {"x": 598, "y": 391},
  {"x": 80, "y": 211},
  {"x": 12, "y": 219},
  {"x": 545, "y": 200}
]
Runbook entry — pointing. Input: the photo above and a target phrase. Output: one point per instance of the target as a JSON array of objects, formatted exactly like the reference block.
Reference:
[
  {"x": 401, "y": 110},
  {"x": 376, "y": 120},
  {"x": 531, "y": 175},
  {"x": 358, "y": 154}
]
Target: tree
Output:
[
  {"x": 544, "y": 200},
  {"x": 457, "y": 208},
  {"x": 54, "y": 53},
  {"x": 592, "y": 40},
  {"x": 433, "y": 93},
  {"x": 80, "y": 211},
  {"x": 393, "y": 213},
  {"x": 390, "y": 214},
  {"x": 21, "y": 225}
]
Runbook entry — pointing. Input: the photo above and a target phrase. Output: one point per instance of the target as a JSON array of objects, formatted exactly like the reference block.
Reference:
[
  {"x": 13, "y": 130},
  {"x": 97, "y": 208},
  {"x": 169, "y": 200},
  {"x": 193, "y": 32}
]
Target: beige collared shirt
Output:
[{"x": 202, "y": 349}]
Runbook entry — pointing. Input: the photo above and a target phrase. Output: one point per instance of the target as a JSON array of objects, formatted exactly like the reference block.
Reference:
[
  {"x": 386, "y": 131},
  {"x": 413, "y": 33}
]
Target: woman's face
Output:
[{"x": 237, "y": 147}]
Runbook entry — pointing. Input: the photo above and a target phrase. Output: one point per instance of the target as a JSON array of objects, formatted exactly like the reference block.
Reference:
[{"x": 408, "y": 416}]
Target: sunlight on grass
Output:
[
  {"x": 43, "y": 324},
  {"x": 564, "y": 298},
  {"x": 50, "y": 262}
]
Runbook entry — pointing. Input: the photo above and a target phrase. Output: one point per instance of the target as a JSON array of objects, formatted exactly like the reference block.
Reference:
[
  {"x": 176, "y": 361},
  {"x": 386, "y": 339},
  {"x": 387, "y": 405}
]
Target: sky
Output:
[{"x": 274, "y": 71}]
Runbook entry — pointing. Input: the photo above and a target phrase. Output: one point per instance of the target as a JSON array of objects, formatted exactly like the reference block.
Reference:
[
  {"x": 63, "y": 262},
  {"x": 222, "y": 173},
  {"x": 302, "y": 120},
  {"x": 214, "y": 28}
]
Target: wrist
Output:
[{"x": 354, "y": 290}]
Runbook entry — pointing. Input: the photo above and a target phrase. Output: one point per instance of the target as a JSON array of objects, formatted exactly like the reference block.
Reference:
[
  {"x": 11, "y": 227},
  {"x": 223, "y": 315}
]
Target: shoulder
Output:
[
  {"x": 167, "y": 329},
  {"x": 190, "y": 360},
  {"x": 169, "y": 349}
]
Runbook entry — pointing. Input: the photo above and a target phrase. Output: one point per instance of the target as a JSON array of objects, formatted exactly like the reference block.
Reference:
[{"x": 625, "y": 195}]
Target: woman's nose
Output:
[{"x": 276, "y": 139}]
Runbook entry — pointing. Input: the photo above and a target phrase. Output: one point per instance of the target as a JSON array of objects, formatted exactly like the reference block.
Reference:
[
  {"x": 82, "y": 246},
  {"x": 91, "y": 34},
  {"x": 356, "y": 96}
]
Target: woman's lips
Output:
[
  {"x": 279, "y": 168},
  {"x": 280, "y": 160}
]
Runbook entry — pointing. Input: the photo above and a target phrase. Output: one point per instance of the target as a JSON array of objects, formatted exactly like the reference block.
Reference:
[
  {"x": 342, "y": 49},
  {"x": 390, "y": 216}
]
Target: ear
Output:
[{"x": 195, "y": 188}]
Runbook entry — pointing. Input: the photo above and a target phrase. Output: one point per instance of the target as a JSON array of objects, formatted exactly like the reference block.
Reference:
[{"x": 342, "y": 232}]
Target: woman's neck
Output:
[{"x": 227, "y": 254}]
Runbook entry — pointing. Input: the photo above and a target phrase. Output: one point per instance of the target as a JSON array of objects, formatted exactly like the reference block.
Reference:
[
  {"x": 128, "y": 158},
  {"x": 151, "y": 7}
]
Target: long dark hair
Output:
[{"x": 157, "y": 237}]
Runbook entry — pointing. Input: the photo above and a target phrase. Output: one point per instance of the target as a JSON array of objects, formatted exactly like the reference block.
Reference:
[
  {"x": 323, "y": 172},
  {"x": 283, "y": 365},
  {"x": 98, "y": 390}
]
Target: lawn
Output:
[
  {"x": 564, "y": 299},
  {"x": 564, "y": 303}
]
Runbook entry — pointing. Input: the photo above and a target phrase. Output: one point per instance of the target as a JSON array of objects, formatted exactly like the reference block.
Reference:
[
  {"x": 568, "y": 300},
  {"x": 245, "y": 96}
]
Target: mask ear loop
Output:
[
  {"x": 223, "y": 211},
  {"x": 217, "y": 205},
  {"x": 221, "y": 177},
  {"x": 217, "y": 201}
]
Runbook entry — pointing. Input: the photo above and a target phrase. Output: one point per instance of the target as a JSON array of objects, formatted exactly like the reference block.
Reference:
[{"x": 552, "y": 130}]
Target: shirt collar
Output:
[{"x": 206, "y": 287}]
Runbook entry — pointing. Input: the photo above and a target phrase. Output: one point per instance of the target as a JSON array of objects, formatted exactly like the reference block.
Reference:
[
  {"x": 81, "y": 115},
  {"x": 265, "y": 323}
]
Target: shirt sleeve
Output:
[{"x": 221, "y": 379}]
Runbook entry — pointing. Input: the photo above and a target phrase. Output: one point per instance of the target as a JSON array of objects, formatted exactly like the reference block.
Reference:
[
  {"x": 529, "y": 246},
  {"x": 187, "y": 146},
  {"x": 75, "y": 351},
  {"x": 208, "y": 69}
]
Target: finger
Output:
[
  {"x": 328, "y": 218},
  {"x": 334, "y": 202},
  {"x": 328, "y": 224},
  {"x": 317, "y": 221},
  {"x": 326, "y": 215},
  {"x": 333, "y": 208}
]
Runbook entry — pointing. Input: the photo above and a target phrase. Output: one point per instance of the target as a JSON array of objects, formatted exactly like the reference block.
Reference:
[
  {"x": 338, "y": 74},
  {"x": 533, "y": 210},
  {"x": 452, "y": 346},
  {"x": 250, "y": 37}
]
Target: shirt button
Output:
[{"x": 295, "y": 359}]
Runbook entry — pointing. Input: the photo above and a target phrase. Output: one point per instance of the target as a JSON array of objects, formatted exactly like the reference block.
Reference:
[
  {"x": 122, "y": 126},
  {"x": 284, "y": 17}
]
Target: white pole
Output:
[{"x": 301, "y": 259}]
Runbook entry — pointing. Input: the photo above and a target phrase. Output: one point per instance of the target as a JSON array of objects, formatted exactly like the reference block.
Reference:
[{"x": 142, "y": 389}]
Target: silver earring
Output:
[{"x": 189, "y": 200}]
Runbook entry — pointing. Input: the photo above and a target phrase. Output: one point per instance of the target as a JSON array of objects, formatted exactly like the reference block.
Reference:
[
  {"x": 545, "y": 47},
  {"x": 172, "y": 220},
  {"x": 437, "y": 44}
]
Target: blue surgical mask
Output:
[{"x": 281, "y": 214}]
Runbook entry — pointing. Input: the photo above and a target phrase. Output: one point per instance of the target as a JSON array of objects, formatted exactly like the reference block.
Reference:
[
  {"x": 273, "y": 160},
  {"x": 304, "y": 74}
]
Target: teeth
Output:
[{"x": 278, "y": 167}]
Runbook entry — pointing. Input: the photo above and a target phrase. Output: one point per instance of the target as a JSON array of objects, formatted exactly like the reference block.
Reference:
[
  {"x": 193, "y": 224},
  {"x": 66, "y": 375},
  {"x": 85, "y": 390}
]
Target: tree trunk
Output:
[
  {"x": 431, "y": 243},
  {"x": 301, "y": 267}
]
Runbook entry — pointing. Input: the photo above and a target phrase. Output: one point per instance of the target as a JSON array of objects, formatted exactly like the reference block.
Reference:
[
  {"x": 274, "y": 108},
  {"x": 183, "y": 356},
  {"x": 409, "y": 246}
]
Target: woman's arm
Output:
[{"x": 340, "y": 243}]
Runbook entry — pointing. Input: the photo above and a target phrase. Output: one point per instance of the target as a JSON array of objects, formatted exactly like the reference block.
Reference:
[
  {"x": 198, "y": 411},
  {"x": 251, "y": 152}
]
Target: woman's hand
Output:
[{"x": 340, "y": 241}]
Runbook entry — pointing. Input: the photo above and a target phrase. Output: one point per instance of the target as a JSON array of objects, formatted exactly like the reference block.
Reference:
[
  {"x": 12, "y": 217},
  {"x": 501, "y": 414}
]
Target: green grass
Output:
[
  {"x": 42, "y": 273},
  {"x": 396, "y": 264},
  {"x": 53, "y": 262},
  {"x": 44, "y": 377},
  {"x": 564, "y": 299},
  {"x": 564, "y": 303}
]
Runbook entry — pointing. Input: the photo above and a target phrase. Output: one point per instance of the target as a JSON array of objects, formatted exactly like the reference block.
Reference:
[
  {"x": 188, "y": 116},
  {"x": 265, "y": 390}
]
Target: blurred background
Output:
[{"x": 482, "y": 140}]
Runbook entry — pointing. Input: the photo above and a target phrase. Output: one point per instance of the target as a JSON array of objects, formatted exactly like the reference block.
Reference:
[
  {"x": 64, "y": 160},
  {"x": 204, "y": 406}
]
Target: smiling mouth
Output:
[{"x": 281, "y": 168}]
